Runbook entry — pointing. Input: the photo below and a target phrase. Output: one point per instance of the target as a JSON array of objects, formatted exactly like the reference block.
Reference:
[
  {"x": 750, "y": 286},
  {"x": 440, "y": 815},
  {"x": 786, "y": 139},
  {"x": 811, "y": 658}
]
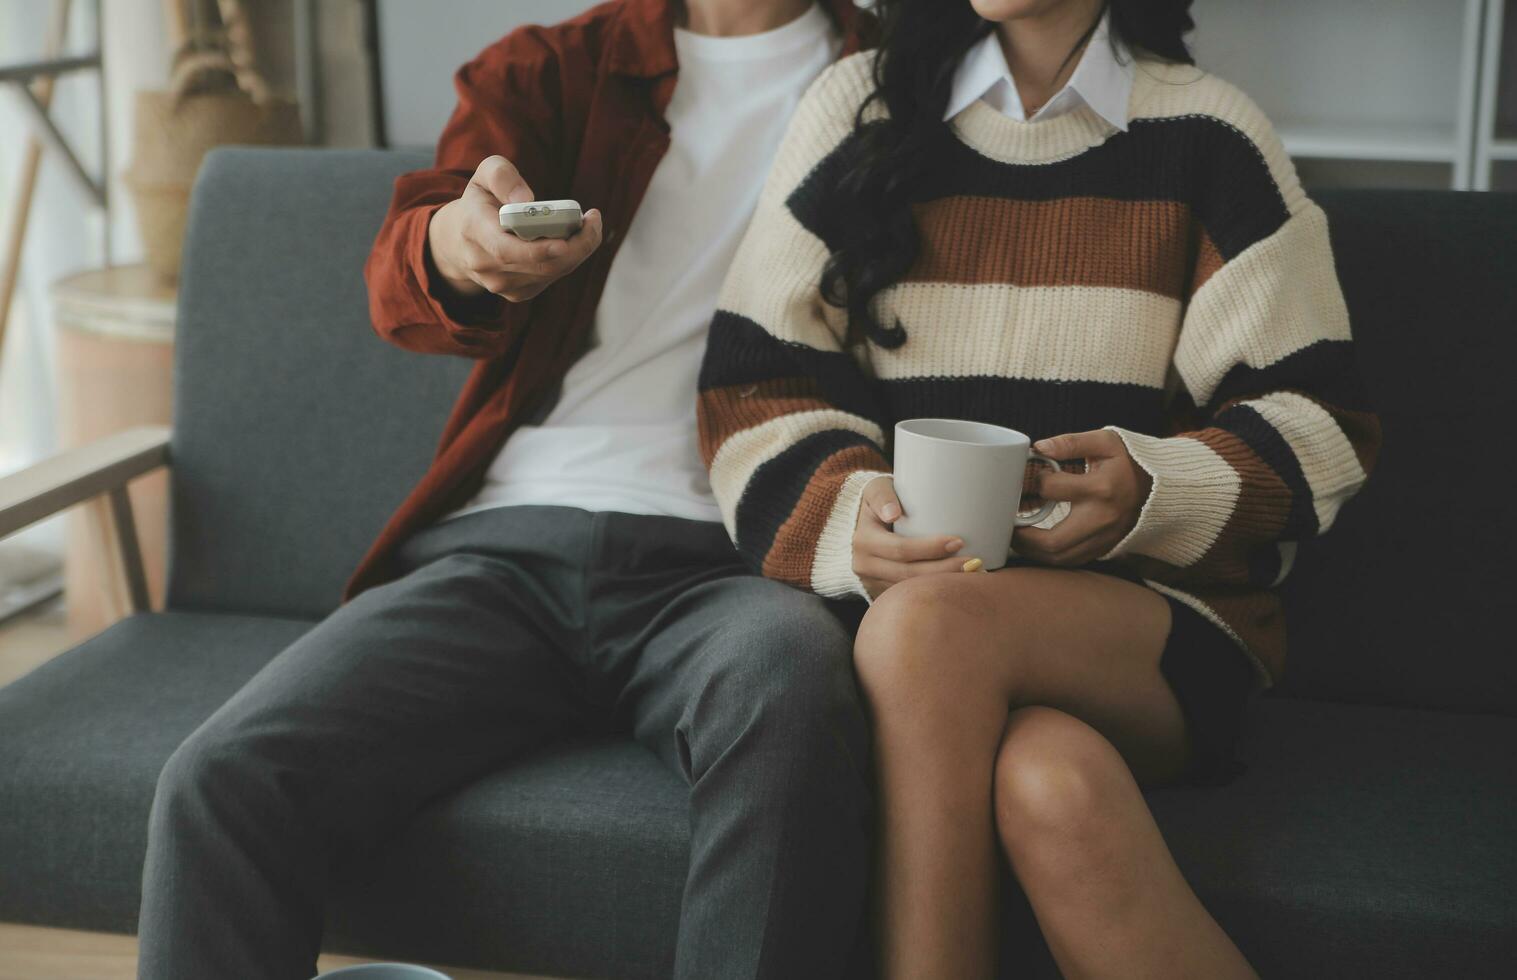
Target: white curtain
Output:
[{"x": 65, "y": 231}]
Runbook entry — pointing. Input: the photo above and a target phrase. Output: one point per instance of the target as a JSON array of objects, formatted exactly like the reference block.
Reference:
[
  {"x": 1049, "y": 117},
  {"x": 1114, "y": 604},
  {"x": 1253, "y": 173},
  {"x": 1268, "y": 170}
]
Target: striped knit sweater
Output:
[{"x": 1171, "y": 283}]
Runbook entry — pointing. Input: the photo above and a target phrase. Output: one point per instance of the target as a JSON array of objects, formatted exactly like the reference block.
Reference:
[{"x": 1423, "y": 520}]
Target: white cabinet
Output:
[{"x": 1413, "y": 93}]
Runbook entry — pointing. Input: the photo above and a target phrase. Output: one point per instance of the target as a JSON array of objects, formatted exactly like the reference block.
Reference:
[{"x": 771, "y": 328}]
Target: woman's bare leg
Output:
[
  {"x": 943, "y": 659},
  {"x": 1084, "y": 847}
]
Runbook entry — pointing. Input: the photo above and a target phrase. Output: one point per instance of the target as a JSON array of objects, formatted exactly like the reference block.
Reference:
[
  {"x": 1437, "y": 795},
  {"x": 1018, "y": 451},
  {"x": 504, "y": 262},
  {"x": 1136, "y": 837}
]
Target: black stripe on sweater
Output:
[
  {"x": 1323, "y": 369},
  {"x": 740, "y": 351},
  {"x": 1036, "y": 408},
  {"x": 1270, "y": 446},
  {"x": 1199, "y": 161},
  {"x": 777, "y": 486}
]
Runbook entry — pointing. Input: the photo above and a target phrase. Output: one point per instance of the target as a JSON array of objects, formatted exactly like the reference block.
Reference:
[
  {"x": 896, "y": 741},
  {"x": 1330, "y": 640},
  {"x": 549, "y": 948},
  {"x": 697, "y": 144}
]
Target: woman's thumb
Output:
[{"x": 879, "y": 495}]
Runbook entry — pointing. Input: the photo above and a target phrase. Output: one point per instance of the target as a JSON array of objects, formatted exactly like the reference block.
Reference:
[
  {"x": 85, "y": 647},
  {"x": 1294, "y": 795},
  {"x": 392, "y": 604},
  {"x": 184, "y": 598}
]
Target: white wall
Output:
[
  {"x": 419, "y": 51},
  {"x": 1338, "y": 61}
]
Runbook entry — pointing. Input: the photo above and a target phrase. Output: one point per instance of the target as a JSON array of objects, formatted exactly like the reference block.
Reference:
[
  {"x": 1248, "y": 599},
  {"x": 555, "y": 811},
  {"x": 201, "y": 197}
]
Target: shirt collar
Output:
[
  {"x": 643, "y": 45},
  {"x": 1102, "y": 80}
]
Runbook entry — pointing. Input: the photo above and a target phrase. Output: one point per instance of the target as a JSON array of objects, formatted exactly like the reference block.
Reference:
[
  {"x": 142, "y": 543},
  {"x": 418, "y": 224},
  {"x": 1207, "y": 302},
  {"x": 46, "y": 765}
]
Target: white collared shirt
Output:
[{"x": 1101, "y": 80}]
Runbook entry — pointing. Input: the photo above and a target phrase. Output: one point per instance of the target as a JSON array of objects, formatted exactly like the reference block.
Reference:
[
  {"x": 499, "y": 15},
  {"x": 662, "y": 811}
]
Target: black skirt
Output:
[{"x": 1212, "y": 679}]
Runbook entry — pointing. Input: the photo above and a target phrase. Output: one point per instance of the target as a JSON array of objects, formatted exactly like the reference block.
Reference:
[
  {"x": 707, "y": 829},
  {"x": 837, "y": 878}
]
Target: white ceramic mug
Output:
[{"x": 965, "y": 479}]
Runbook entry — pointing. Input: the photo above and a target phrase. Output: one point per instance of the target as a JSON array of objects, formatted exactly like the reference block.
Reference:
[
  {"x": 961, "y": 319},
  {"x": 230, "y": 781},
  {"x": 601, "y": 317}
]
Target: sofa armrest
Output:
[{"x": 74, "y": 476}]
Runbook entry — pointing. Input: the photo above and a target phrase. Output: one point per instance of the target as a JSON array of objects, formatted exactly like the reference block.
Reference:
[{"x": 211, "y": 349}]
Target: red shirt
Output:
[{"x": 579, "y": 109}]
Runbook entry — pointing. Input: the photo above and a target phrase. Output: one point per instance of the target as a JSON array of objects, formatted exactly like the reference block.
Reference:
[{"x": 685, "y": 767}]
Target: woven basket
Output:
[{"x": 173, "y": 131}]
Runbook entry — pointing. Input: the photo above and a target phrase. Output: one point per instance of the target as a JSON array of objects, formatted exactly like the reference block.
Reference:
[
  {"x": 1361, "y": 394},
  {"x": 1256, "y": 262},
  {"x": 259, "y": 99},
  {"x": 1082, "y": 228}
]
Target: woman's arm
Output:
[
  {"x": 1280, "y": 435},
  {"x": 789, "y": 424}
]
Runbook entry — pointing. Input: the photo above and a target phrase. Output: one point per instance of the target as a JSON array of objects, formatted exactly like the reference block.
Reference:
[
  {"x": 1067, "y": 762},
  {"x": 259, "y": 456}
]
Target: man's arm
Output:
[{"x": 443, "y": 277}]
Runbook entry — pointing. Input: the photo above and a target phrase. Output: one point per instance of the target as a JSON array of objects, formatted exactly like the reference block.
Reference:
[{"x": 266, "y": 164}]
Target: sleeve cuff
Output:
[
  {"x": 465, "y": 318},
  {"x": 832, "y": 573},
  {"x": 1193, "y": 496}
]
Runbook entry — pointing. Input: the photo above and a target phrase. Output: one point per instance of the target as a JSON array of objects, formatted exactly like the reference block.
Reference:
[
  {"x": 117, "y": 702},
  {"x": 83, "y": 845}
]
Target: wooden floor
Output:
[
  {"x": 36, "y": 953},
  {"x": 30, "y": 638}
]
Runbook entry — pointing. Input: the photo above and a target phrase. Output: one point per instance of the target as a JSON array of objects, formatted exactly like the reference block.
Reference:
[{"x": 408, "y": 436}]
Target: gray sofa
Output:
[{"x": 1373, "y": 835}]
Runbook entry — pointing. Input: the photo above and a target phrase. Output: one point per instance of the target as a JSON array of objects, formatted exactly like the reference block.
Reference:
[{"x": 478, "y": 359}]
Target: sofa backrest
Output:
[
  {"x": 296, "y": 430},
  {"x": 1406, "y": 599}
]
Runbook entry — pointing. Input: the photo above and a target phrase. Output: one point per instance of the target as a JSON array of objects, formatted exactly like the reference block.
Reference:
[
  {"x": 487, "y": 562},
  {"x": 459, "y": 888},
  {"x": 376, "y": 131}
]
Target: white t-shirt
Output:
[{"x": 622, "y": 436}]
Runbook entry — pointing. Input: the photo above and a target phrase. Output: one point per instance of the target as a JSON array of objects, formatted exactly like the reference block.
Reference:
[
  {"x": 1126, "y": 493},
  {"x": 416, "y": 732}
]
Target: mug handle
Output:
[{"x": 1048, "y": 505}]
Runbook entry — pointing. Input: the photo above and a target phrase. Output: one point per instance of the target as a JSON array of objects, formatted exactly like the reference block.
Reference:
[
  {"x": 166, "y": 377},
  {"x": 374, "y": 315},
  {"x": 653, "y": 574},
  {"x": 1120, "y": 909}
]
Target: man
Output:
[{"x": 561, "y": 566}]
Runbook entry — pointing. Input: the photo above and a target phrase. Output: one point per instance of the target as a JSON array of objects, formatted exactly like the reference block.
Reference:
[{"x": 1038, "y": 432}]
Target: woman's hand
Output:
[
  {"x": 476, "y": 256},
  {"x": 1104, "y": 501},
  {"x": 881, "y": 558}
]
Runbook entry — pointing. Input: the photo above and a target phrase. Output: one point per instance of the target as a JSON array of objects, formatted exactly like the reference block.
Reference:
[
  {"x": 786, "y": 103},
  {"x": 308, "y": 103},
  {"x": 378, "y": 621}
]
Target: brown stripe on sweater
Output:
[
  {"x": 1259, "y": 514},
  {"x": 1208, "y": 260},
  {"x": 1072, "y": 241},
  {"x": 725, "y": 411},
  {"x": 794, "y": 550}
]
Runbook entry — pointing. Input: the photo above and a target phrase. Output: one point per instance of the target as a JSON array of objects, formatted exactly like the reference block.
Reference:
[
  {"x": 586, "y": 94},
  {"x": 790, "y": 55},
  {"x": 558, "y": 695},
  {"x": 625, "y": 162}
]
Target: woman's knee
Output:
[
  {"x": 936, "y": 636},
  {"x": 1057, "y": 784}
]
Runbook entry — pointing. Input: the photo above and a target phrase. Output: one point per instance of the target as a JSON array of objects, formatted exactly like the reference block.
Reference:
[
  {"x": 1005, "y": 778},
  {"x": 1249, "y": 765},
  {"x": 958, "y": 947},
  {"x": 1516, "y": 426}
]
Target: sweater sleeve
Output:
[
  {"x": 788, "y": 421},
  {"x": 508, "y": 104},
  {"x": 1281, "y": 436}
]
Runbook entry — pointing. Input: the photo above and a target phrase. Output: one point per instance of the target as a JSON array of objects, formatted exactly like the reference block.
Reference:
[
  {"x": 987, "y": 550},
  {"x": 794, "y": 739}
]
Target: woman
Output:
[{"x": 1036, "y": 213}]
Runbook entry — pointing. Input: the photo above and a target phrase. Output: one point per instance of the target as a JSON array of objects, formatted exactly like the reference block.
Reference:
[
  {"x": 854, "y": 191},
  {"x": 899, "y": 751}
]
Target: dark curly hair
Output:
[{"x": 921, "y": 45}]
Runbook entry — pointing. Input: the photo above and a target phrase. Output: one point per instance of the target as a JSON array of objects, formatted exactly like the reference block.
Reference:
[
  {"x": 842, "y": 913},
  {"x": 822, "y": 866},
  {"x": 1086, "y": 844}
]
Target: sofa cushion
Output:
[
  {"x": 82, "y": 740},
  {"x": 1359, "y": 842},
  {"x": 1404, "y": 601},
  {"x": 1362, "y": 841},
  {"x": 570, "y": 863}
]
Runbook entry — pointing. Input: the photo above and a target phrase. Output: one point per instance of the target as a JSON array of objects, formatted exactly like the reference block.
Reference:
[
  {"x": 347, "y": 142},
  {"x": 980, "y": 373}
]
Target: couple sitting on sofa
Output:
[{"x": 1034, "y": 213}]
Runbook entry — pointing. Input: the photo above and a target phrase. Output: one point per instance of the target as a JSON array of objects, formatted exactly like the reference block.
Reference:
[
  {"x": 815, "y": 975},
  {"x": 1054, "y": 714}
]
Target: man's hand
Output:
[
  {"x": 881, "y": 557},
  {"x": 476, "y": 255},
  {"x": 1105, "y": 500}
]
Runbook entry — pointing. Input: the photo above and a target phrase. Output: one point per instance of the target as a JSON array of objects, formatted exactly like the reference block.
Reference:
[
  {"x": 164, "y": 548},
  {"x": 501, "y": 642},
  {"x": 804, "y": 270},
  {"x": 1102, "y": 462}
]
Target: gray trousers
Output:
[{"x": 511, "y": 628}]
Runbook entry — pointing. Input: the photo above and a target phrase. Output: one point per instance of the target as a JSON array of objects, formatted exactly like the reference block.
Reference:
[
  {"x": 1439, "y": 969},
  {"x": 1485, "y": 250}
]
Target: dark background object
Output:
[{"x": 1408, "y": 599}]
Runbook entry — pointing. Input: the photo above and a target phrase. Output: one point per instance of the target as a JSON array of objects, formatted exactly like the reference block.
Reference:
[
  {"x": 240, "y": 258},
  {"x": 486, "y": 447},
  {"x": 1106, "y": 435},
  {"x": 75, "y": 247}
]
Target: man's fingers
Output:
[
  {"x": 583, "y": 243},
  {"x": 500, "y": 177},
  {"x": 876, "y": 539},
  {"x": 563, "y": 257},
  {"x": 1095, "y": 444},
  {"x": 880, "y": 498},
  {"x": 546, "y": 257}
]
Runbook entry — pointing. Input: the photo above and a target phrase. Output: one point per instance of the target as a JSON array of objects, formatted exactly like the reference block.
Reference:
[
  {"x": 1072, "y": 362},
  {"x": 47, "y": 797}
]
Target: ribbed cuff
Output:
[
  {"x": 466, "y": 318},
  {"x": 1194, "y": 493},
  {"x": 832, "y": 573}
]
